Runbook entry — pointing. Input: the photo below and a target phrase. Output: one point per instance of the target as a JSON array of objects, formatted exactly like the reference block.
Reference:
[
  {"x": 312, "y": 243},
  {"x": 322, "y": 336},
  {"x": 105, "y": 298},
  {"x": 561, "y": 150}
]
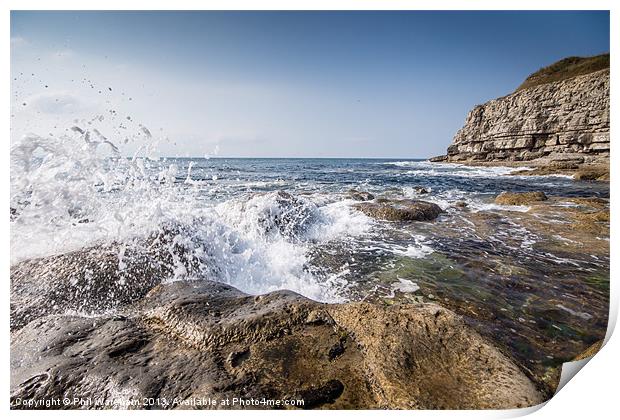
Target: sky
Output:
[{"x": 280, "y": 84}]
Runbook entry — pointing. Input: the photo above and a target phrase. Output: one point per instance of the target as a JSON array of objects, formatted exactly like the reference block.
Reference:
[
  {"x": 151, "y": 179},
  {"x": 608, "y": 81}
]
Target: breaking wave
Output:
[{"x": 77, "y": 191}]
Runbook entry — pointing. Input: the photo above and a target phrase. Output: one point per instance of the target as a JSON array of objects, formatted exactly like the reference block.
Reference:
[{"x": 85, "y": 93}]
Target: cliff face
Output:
[{"x": 554, "y": 121}]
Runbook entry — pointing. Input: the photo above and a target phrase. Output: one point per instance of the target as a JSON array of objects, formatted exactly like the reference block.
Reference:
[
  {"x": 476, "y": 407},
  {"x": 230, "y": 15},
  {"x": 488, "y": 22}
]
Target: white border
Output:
[{"x": 592, "y": 394}]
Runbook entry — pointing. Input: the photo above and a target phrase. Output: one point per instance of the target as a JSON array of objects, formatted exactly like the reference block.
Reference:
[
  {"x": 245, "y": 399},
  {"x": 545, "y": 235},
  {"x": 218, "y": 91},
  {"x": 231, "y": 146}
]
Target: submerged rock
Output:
[
  {"x": 518, "y": 199},
  {"x": 204, "y": 340},
  {"x": 401, "y": 210}
]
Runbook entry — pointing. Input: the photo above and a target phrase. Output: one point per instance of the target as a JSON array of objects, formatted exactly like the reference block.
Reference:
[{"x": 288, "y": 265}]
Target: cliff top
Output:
[{"x": 565, "y": 69}]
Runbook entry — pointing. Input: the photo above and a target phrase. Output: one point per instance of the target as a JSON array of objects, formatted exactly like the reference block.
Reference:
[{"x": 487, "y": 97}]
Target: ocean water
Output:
[{"x": 268, "y": 224}]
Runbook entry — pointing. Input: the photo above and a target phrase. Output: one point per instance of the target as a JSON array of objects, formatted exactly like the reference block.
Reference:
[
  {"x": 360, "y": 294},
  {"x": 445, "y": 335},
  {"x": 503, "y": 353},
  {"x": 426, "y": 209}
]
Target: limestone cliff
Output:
[{"x": 561, "y": 120}]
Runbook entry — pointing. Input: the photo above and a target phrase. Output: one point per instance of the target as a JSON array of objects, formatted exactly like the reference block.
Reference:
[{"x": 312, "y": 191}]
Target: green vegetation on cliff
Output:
[{"x": 565, "y": 69}]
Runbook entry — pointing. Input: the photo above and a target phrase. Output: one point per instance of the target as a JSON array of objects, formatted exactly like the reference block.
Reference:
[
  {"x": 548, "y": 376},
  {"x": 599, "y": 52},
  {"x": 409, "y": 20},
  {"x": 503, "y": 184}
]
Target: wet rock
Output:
[
  {"x": 327, "y": 393},
  {"x": 590, "y": 351},
  {"x": 94, "y": 280},
  {"x": 518, "y": 199},
  {"x": 564, "y": 164},
  {"x": 595, "y": 222},
  {"x": 561, "y": 167},
  {"x": 440, "y": 158},
  {"x": 205, "y": 340},
  {"x": 421, "y": 190},
  {"x": 401, "y": 210},
  {"x": 461, "y": 204},
  {"x": 593, "y": 202},
  {"x": 592, "y": 174},
  {"x": 360, "y": 195},
  {"x": 282, "y": 212},
  {"x": 336, "y": 350}
]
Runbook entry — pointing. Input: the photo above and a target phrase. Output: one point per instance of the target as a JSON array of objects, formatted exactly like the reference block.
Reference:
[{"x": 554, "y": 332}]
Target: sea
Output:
[{"x": 267, "y": 224}]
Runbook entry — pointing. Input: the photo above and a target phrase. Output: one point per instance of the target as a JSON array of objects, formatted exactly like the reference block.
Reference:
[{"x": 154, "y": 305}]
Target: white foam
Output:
[
  {"x": 406, "y": 286},
  {"x": 68, "y": 194},
  {"x": 414, "y": 251},
  {"x": 436, "y": 169},
  {"x": 402, "y": 285},
  {"x": 582, "y": 315},
  {"x": 480, "y": 206}
]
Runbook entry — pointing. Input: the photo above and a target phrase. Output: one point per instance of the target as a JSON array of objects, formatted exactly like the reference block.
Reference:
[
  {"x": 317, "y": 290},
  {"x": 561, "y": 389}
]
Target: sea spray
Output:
[{"x": 76, "y": 191}]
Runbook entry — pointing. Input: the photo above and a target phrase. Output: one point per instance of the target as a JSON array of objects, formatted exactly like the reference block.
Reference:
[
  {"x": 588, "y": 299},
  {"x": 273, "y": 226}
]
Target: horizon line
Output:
[{"x": 280, "y": 157}]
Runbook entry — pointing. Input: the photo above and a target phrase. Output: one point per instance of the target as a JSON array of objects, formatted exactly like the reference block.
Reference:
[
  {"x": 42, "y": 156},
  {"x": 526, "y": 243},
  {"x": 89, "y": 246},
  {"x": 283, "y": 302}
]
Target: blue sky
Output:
[{"x": 281, "y": 84}]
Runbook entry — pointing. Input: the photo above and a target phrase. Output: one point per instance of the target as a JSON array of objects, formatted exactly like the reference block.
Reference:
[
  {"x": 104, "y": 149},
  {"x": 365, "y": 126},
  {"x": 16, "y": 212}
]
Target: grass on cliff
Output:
[{"x": 565, "y": 69}]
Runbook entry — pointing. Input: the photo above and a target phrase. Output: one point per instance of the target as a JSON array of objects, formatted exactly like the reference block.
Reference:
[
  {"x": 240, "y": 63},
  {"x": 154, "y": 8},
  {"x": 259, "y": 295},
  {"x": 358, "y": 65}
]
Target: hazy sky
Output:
[{"x": 281, "y": 84}]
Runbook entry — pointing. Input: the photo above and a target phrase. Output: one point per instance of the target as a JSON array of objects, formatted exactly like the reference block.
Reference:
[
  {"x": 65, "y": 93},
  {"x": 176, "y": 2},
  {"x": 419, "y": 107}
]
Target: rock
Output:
[
  {"x": 279, "y": 212},
  {"x": 594, "y": 202},
  {"x": 564, "y": 164},
  {"x": 409, "y": 383},
  {"x": 440, "y": 158},
  {"x": 596, "y": 222},
  {"x": 592, "y": 174},
  {"x": 401, "y": 210},
  {"x": 590, "y": 351},
  {"x": 518, "y": 199},
  {"x": 360, "y": 195},
  {"x": 327, "y": 393},
  {"x": 461, "y": 204},
  {"x": 204, "y": 340},
  {"x": 421, "y": 190},
  {"x": 542, "y": 170},
  {"x": 94, "y": 280},
  {"x": 562, "y": 116}
]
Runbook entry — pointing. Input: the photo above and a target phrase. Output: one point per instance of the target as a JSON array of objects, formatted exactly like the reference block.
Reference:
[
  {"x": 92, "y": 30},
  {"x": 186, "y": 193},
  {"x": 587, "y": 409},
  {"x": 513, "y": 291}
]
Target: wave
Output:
[{"x": 76, "y": 191}]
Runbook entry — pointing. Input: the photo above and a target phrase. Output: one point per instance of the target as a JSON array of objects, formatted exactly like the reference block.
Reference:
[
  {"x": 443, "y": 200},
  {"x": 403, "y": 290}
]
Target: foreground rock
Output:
[
  {"x": 199, "y": 341},
  {"x": 519, "y": 199},
  {"x": 563, "y": 114},
  {"x": 400, "y": 210},
  {"x": 95, "y": 280}
]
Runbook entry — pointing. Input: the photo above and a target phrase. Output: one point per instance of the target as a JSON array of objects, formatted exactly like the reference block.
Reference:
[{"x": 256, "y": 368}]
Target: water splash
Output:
[{"x": 77, "y": 191}]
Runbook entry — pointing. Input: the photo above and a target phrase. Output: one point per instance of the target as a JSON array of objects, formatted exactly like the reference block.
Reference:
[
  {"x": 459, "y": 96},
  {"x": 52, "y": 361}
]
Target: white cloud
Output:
[
  {"x": 18, "y": 41},
  {"x": 57, "y": 103}
]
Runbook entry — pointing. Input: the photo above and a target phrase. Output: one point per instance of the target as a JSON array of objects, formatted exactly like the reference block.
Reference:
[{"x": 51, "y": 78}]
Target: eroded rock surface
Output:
[
  {"x": 541, "y": 124},
  {"x": 207, "y": 340}
]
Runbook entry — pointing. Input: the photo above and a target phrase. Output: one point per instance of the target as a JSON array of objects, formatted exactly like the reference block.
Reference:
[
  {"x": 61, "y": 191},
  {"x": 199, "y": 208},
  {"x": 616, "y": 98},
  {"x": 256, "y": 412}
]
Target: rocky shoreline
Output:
[
  {"x": 204, "y": 340},
  {"x": 88, "y": 333},
  {"x": 82, "y": 330},
  {"x": 559, "y": 125}
]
